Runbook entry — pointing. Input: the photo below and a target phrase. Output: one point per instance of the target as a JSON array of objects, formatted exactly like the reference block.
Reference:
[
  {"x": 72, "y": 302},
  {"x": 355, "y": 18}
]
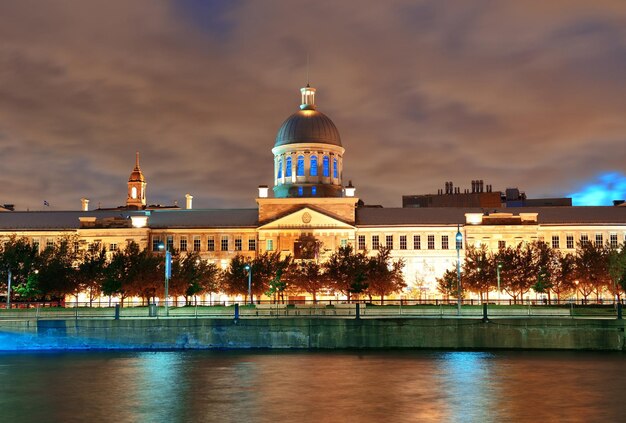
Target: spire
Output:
[
  {"x": 308, "y": 98},
  {"x": 137, "y": 161}
]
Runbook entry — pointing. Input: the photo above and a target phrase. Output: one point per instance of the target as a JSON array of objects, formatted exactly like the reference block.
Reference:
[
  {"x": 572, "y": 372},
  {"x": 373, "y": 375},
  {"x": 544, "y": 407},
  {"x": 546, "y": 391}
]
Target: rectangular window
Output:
[
  {"x": 156, "y": 243},
  {"x": 444, "y": 242},
  {"x": 569, "y": 240},
  {"x": 344, "y": 242},
  {"x": 183, "y": 243},
  {"x": 210, "y": 244},
  {"x": 251, "y": 244},
  {"x": 224, "y": 243},
  {"x": 403, "y": 242},
  {"x": 269, "y": 245},
  {"x": 556, "y": 241},
  {"x": 76, "y": 246},
  {"x": 361, "y": 242},
  {"x": 501, "y": 244},
  {"x": 170, "y": 243},
  {"x": 36, "y": 245},
  {"x": 417, "y": 242},
  {"x": 197, "y": 242},
  {"x": 375, "y": 242},
  {"x": 431, "y": 242},
  {"x": 112, "y": 247},
  {"x": 613, "y": 240},
  {"x": 584, "y": 239},
  {"x": 49, "y": 243},
  {"x": 238, "y": 243},
  {"x": 599, "y": 240},
  {"x": 389, "y": 242}
]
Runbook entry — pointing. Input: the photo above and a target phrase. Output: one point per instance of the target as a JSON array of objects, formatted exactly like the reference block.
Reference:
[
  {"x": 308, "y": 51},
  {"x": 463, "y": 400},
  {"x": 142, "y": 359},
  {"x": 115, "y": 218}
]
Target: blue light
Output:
[{"x": 602, "y": 191}]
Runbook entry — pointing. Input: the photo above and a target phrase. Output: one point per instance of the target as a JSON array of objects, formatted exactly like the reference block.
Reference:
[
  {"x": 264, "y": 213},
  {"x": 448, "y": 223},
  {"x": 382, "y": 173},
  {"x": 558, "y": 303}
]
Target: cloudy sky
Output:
[{"x": 518, "y": 93}]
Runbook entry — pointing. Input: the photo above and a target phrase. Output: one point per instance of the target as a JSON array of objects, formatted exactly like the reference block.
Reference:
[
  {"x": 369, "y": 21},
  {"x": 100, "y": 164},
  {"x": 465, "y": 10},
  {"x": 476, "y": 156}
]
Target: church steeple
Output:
[{"x": 136, "y": 187}]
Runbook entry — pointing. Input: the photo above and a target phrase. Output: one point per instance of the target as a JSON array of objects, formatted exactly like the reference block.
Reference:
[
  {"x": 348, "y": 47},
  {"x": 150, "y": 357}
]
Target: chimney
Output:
[
  {"x": 188, "y": 200},
  {"x": 481, "y": 185},
  {"x": 84, "y": 204},
  {"x": 263, "y": 190},
  {"x": 350, "y": 190}
]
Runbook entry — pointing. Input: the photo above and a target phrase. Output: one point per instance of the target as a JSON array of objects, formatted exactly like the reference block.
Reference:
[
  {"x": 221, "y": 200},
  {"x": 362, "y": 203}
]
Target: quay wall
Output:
[{"x": 313, "y": 333}]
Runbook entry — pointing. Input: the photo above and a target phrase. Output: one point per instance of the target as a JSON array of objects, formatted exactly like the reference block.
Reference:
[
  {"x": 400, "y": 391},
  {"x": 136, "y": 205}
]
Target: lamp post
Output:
[
  {"x": 459, "y": 244},
  {"x": 168, "y": 275},
  {"x": 9, "y": 290},
  {"x": 248, "y": 268},
  {"x": 498, "y": 267}
]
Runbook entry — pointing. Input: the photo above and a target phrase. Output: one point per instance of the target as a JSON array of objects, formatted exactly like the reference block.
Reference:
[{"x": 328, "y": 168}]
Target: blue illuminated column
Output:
[
  {"x": 168, "y": 275},
  {"x": 9, "y": 290},
  {"x": 459, "y": 244},
  {"x": 498, "y": 267},
  {"x": 249, "y": 270}
]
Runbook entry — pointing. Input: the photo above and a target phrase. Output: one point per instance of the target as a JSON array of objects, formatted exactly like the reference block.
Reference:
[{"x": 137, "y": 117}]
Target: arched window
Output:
[
  {"x": 335, "y": 169},
  {"x": 300, "y": 166},
  {"x": 133, "y": 192},
  {"x": 288, "y": 167},
  {"x": 326, "y": 166},
  {"x": 313, "y": 171},
  {"x": 280, "y": 168},
  {"x": 313, "y": 190}
]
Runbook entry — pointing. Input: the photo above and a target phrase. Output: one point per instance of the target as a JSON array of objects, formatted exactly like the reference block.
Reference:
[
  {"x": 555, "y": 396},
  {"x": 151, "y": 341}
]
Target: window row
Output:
[
  {"x": 212, "y": 243},
  {"x": 389, "y": 242},
  {"x": 313, "y": 167}
]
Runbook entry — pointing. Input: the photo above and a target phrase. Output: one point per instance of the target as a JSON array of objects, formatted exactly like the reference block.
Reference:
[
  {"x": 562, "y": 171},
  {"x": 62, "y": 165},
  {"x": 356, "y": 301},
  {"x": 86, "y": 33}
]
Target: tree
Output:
[
  {"x": 563, "y": 275},
  {"x": 478, "y": 271},
  {"x": 191, "y": 275},
  {"x": 306, "y": 276},
  {"x": 384, "y": 275},
  {"x": 91, "y": 273},
  {"x": 347, "y": 271},
  {"x": 616, "y": 262},
  {"x": 268, "y": 269},
  {"x": 591, "y": 268},
  {"x": 234, "y": 279},
  {"x": 20, "y": 258},
  {"x": 124, "y": 271},
  {"x": 57, "y": 274},
  {"x": 448, "y": 284}
]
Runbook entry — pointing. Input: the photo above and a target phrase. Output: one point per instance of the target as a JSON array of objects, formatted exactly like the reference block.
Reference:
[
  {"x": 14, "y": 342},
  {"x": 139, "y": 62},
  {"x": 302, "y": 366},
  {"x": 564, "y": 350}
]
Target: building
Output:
[{"x": 311, "y": 202}]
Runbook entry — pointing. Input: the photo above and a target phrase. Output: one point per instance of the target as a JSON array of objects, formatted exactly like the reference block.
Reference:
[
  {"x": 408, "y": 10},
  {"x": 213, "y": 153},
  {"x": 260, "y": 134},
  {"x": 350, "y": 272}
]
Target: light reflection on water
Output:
[{"x": 252, "y": 386}]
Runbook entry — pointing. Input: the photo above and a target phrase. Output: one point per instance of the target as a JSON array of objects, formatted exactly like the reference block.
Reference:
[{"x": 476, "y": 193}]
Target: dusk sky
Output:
[{"x": 528, "y": 94}]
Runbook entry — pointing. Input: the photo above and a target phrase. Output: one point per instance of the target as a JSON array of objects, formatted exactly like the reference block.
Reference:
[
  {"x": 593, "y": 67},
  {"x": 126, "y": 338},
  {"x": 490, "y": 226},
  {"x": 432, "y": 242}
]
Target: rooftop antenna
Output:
[{"x": 307, "y": 69}]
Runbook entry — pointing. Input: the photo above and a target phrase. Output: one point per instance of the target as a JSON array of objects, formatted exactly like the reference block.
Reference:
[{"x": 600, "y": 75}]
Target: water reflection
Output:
[{"x": 398, "y": 386}]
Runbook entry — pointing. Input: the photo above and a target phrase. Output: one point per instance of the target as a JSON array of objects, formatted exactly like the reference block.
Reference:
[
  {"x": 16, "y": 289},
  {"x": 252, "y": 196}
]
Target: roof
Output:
[
  {"x": 605, "y": 215},
  {"x": 204, "y": 218},
  {"x": 308, "y": 126}
]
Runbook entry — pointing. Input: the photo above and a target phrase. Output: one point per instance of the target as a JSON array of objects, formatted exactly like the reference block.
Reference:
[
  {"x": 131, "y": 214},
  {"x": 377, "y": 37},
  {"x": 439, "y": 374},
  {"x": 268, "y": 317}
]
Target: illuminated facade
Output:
[{"x": 312, "y": 202}]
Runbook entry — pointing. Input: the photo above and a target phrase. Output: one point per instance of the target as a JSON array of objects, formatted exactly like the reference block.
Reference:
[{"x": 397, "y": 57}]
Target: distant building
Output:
[{"x": 480, "y": 195}]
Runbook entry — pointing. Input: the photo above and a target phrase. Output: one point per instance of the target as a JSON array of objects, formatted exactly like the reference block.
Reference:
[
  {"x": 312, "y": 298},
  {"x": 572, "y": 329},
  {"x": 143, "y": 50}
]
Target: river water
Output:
[{"x": 347, "y": 386}]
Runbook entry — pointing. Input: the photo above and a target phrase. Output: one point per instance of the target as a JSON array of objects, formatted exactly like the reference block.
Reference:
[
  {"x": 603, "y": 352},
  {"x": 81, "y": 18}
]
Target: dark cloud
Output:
[{"x": 529, "y": 94}]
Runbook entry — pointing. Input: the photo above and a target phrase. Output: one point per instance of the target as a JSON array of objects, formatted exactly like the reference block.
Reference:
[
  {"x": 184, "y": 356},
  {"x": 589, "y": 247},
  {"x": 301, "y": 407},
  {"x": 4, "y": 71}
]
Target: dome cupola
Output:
[{"x": 136, "y": 197}]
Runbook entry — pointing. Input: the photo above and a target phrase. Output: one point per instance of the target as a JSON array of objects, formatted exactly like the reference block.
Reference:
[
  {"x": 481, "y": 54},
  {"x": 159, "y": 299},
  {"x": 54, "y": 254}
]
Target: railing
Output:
[{"x": 326, "y": 309}]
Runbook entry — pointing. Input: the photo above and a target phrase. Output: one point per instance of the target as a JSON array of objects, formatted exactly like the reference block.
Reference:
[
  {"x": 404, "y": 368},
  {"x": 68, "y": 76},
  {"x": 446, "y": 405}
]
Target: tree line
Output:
[
  {"x": 63, "y": 269},
  {"x": 592, "y": 270}
]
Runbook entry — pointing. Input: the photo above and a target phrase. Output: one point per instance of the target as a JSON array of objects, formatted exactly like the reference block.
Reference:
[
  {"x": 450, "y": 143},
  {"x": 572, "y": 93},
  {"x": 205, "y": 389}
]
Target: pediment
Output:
[{"x": 306, "y": 218}]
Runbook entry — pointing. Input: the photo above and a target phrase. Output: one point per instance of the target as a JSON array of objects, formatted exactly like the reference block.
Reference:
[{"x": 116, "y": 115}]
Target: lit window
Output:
[
  {"x": 599, "y": 240},
  {"x": 403, "y": 242},
  {"x": 313, "y": 170},
  {"x": 183, "y": 243},
  {"x": 444, "y": 242},
  {"x": 112, "y": 247},
  {"x": 170, "y": 243},
  {"x": 431, "y": 242},
  {"x": 280, "y": 168},
  {"x": 613, "y": 240},
  {"x": 313, "y": 190},
  {"x": 501, "y": 245},
  {"x": 417, "y": 242},
  {"x": 389, "y": 242},
  {"x": 344, "y": 242},
  {"x": 300, "y": 166},
  {"x": 326, "y": 166},
  {"x": 238, "y": 243},
  {"x": 375, "y": 242},
  {"x": 584, "y": 239},
  {"x": 224, "y": 243},
  {"x": 133, "y": 192},
  {"x": 269, "y": 245},
  {"x": 288, "y": 167},
  {"x": 335, "y": 169},
  {"x": 156, "y": 243},
  {"x": 210, "y": 244},
  {"x": 556, "y": 241},
  {"x": 251, "y": 244},
  {"x": 196, "y": 243},
  {"x": 570, "y": 241},
  {"x": 361, "y": 242}
]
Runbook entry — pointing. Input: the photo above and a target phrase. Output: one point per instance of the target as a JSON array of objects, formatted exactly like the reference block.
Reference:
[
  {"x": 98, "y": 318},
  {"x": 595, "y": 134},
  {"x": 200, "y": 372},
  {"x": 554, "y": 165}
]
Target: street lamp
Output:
[
  {"x": 9, "y": 290},
  {"x": 459, "y": 244},
  {"x": 248, "y": 268},
  {"x": 498, "y": 267},
  {"x": 168, "y": 275}
]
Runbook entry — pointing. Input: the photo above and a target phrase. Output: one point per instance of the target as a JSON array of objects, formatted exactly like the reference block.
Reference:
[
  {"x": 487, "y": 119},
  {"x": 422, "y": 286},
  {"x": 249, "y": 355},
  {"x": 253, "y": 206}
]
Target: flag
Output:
[{"x": 45, "y": 203}]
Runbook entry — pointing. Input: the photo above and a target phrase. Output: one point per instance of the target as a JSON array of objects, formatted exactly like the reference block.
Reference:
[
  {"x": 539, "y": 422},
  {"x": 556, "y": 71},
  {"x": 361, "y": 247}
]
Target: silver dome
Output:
[{"x": 308, "y": 126}]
